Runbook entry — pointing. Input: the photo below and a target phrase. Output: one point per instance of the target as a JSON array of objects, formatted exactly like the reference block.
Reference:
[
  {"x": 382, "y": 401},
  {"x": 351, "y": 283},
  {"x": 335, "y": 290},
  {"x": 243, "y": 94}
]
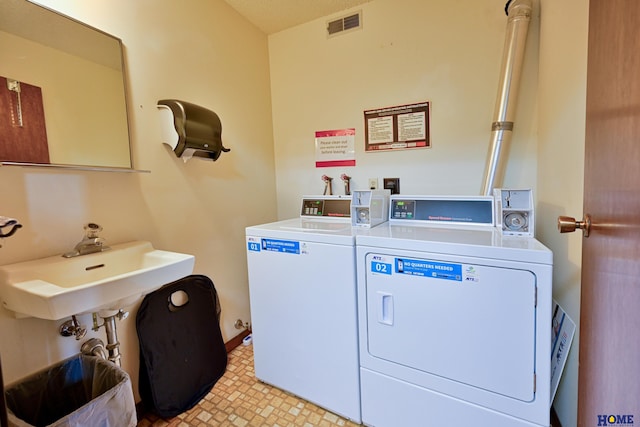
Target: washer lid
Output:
[{"x": 317, "y": 230}]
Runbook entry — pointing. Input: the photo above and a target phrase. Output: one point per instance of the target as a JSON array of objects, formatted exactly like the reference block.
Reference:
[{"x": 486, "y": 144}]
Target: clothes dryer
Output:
[
  {"x": 302, "y": 284},
  {"x": 454, "y": 318}
]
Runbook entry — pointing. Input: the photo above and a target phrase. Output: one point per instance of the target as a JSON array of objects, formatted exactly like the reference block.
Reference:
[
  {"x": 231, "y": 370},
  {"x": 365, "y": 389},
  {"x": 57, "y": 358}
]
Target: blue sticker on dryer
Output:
[
  {"x": 284, "y": 246},
  {"x": 426, "y": 268}
]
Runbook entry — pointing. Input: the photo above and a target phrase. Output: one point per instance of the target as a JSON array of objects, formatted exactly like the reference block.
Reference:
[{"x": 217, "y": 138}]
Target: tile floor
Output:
[{"x": 238, "y": 400}]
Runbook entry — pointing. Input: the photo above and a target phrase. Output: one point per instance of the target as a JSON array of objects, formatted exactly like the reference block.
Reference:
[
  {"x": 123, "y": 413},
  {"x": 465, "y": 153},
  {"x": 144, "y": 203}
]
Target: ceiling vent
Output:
[{"x": 346, "y": 23}]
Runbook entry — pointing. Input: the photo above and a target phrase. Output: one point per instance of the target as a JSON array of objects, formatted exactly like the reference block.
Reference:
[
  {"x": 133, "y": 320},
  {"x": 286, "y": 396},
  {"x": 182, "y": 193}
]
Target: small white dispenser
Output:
[
  {"x": 369, "y": 207},
  {"x": 514, "y": 212}
]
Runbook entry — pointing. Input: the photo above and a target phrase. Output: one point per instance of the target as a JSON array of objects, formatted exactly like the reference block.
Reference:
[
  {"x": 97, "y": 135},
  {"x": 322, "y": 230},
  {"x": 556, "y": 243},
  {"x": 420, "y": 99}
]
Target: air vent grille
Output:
[
  {"x": 335, "y": 26},
  {"x": 350, "y": 22}
]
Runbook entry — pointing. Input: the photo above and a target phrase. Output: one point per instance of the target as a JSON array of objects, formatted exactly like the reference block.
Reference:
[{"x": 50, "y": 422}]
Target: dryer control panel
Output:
[
  {"x": 509, "y": 210},
  {"x": 449, "y": 210}
]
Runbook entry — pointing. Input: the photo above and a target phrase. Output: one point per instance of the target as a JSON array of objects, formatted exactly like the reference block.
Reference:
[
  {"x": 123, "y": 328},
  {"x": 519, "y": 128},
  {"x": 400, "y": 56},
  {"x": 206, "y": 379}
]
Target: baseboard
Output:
[{"x": 237, "y": 340}]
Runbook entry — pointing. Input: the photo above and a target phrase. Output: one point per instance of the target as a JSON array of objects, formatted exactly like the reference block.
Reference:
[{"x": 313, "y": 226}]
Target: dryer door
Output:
[{"x": 467, "y": 322}]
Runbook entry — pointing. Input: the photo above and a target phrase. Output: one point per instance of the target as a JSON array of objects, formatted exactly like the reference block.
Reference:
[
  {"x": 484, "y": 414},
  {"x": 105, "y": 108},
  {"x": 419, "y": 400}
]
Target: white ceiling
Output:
[{"x": 272, "y": 16}]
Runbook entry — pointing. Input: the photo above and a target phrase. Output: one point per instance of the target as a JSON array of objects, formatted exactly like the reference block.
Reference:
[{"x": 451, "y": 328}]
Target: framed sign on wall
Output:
[{"x": 400, "y": 127}]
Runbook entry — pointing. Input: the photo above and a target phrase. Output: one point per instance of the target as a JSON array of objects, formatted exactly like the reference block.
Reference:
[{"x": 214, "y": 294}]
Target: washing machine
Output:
[
  {"x": 454, "y": 317},
  {"x": 302, "y": 290}
]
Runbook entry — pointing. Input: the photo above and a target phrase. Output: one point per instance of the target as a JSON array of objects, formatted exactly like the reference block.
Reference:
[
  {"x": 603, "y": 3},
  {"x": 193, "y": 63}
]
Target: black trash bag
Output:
[
  {"x": 79, "y": 391},
  {"x": 182, "y": 352}
]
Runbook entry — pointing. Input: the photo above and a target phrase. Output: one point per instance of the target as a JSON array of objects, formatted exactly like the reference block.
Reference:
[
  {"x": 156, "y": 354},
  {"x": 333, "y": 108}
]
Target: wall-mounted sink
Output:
[{"x": 54, "y": 288}]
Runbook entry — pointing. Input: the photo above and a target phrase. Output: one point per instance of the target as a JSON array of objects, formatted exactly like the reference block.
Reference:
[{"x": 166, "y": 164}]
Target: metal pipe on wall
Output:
[{"x": 519, "y": 13}]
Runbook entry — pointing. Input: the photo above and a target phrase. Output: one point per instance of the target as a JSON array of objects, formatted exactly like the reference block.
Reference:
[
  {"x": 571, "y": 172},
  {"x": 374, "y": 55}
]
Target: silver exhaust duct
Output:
[{"x": 519, "y": 13}]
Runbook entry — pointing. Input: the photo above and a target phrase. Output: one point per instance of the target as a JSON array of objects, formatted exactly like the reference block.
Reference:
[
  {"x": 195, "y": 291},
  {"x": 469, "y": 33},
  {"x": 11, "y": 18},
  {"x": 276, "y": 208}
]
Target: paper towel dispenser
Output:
[{"x": 191, "y": 130}]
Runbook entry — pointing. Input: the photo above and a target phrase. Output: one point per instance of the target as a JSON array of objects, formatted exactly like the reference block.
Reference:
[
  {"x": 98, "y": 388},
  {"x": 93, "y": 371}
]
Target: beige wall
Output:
[
  {"x": 562, "y": 106},
  {"x": 408, "y": 51},
  {"x": 172, "y": 51},
  {"x": 447, "y": 52}
]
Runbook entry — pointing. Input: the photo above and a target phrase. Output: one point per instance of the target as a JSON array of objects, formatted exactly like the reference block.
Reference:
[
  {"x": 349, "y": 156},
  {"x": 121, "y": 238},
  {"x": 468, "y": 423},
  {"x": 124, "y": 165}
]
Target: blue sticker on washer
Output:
[
  {"x": 285, "y": 246},
  {"x": 253, "y": 246},
  {"x": 437, "y": 270}
]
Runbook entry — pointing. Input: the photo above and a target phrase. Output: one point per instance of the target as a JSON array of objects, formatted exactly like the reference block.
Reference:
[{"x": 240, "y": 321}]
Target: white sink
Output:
[{"x": 54, "y": 288}]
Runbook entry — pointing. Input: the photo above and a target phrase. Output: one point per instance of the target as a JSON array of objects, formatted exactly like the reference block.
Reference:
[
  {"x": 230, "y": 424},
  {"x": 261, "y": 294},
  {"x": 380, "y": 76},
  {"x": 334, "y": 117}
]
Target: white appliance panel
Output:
[
  {"x": 392, "y": 372},
  {"x": 303, "y": 314},
  {"x": 429, "y": 407},
  {"x": 463, "y": 321}
]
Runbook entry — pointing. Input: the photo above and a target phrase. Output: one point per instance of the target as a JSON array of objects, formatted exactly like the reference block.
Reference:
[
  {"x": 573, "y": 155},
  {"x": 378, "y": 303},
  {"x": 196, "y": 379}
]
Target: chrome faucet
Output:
[{"x": 90, "y": 243}]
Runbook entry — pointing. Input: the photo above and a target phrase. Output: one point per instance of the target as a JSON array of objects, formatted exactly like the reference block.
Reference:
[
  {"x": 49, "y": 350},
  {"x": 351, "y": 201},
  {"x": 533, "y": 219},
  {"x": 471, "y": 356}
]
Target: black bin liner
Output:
[
  {"x": 79, "y": 391},
  {"x": 182, "y": 352}
]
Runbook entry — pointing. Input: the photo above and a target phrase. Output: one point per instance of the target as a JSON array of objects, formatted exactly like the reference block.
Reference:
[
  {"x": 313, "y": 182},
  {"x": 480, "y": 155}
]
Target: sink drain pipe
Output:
[
  {"x": 94, "y": 347},
  {"x": 109, "y": 323},
  {"x": 519, "y": 13},
  {"x": 113, "y": 345}
]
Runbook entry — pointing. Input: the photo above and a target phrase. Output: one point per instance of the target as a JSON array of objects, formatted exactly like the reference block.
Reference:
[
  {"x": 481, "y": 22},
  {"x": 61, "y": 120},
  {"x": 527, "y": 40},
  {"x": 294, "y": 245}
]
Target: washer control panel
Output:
[{"x": 326, "y": 206}]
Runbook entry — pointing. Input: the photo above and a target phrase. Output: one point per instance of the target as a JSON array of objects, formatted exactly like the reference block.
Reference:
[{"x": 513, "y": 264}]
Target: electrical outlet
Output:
[{"x": 373, "y": 183}]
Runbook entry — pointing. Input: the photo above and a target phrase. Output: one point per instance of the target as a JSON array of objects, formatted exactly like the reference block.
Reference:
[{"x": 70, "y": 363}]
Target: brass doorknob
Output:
[{"x": 567, "y": 224}]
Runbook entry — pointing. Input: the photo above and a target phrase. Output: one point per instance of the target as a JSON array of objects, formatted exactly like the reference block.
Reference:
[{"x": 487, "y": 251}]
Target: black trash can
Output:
[{"x": 79, "y": 391}]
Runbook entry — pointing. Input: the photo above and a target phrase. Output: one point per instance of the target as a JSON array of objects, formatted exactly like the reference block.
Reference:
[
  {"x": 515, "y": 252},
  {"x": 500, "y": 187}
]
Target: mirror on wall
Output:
[{"x": 62, "y": 91}]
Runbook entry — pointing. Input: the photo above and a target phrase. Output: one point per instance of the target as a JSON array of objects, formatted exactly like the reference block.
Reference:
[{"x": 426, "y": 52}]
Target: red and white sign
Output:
[{"x": 335, "y": 148}]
